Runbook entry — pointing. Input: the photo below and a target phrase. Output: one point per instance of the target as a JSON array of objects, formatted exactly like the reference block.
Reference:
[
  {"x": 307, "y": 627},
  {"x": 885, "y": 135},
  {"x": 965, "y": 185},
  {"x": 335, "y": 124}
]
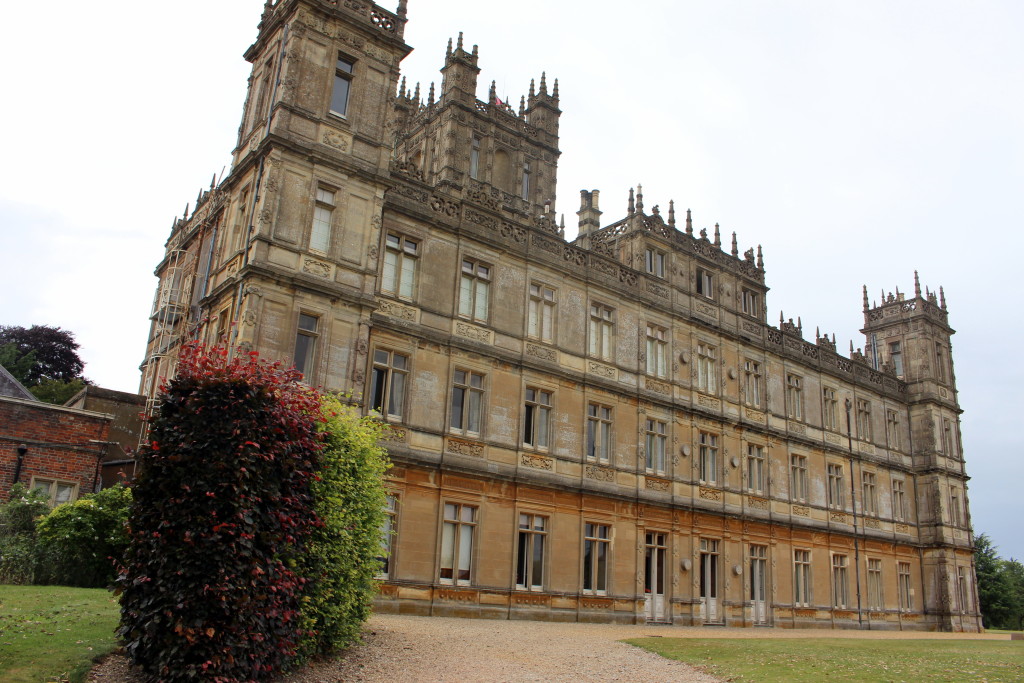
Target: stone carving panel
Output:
[
  {"x": 460, "y": 447},
  {"x": 537, "y": 462},
  {"x": 397, "y": 310},
  {"x": 599, "y": 473}
]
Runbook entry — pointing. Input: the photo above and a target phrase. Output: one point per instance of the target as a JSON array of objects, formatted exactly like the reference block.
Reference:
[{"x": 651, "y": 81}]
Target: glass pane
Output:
[
  {"x": 481, "y": 301},
  {"x": 447, "y": 550},
  {"x": 458, "y": 395},
  {"x": 465, "y": 551},
  {"x": 377, "y": 389},
  {"x": 602, "y": 565},
  {"x": 523, "y": 559},
  {"x": 542, "y": 427},
  {"x": 380, "y": 356},
  {"x": 467, "y": 514},
  {"x": 588, "y": 560},
  {"x": 450, "y": 511},
  {"x": 64, "y": 492},
  {"x": 474, "y": 411},
  {"x": 389, "y": 277},
  {"x": 399, "y": 361},
  {"x": 397, "y": 397},
  {"x": 303, "y": 352},
  {"x": 393, "y": 241},
  {"x": 476, "y": 380},
  {"x": 339, "y": 96},
  {"x": 538, "y": 560},
  {"x": 307, "y": 322},
  {"x": 528, "y": 425},
  {"x": 408, "y": 277},
  {"x": 345, "y": 65},
  {"x": 466, "y": 296}
]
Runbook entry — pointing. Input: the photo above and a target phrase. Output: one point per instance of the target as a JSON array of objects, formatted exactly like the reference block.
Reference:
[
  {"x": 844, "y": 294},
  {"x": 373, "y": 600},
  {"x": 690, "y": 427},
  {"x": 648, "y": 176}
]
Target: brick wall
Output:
[{"x": 59, "y": 440}]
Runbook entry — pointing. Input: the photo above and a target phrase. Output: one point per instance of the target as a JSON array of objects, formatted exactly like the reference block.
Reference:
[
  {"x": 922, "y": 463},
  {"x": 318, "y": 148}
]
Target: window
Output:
[
  {"x": 323, "y": 212},
  {"x": 474, "y": 158},
  {"x": 752, "y": 387},
  {"x": 899, "y": 501},
  {"x": 474, "y": 290},
  {"x": 240, "y": 231},
  {"x": 602, "y": 331},
  {"x": 955, "y": 510},
  {"x": 401, "y": 255},
  {"x": 948, "y": 442},
  {"x": 705, "y": 283},
  {"x": 875, "y": 601},
  {"x": 829, "y": 403},
  {"x": 896, "y": 358},
  {"x": 595, "y": 558},
  {"x": 836, "y": 499},
  {"x": 388, "y": 531},
  {"x": 870, "y": 493},
  {"x": 305, "y": 343},
  {"x": 962, "y": 596},
  {"x": 536, "y": 417},
  {"x": 654, "y": 262},
  {"x": 467, "y": 397},
  {"x": 794, "y": 397},
  {"x": 708, "y": 458},
  {"x": 706, "y": 371},
  {"x": 262, "y": 94},
  {"x": 840, "y": 587},
  {"x": 892, "y": 429},
  {"x": 863, "y": 419},
  {"x": 541, "y": 322},
  {"x": 457, "y": 543},
  {"x": 750, "y": 302},
  {"x": 798, "y": 470},
  {"x": 657, "y": 351},
  {"x": 755, "y": 468},
  {"x": 940, "y": 363},
  {"x": 599, "y": 432},
  {"x": 903, "y": 585},
  {"x": 342, "y": 86},
  {"x": 655, "y": 445},
  {"x": 525, "y": 188},
  {"x": 530, "y": 557},
  {"x": 59, "y": 492},
  {"x": 387, "y": 385},
  {"x": 802, "y": 577}
]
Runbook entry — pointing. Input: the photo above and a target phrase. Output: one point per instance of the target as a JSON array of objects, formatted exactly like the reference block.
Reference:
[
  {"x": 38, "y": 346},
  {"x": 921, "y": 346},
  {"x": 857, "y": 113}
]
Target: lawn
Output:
[
  {"x": 817, "y": 659},
  {"x": 52, "y": 633}
]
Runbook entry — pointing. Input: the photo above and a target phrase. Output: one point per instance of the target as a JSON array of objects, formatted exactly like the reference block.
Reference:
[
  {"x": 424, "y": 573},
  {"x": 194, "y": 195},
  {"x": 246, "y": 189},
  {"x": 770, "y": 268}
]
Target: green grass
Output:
[
  {"x": 817, "y": 659},
  {"x": 52, "y": 633}
]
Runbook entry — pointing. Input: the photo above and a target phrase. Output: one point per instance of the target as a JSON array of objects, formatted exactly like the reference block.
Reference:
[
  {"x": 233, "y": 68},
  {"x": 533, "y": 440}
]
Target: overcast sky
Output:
[{"x": 856, "y": 141}]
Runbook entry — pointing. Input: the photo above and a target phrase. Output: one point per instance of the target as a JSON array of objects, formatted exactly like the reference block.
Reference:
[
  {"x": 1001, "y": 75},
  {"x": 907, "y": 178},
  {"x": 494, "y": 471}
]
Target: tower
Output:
[{"x": 909, "y": 337}]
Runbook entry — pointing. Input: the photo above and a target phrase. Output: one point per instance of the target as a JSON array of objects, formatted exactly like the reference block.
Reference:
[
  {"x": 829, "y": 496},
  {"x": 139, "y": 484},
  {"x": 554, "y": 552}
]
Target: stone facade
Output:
[{"x": 601, "y": 429}]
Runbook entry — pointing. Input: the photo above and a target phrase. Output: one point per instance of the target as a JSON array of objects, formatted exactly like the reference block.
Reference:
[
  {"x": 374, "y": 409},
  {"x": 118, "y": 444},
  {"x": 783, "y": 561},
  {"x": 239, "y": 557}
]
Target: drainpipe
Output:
[
  {"x": 22, "y": 450},
  {"x": 853, "y": 506}
]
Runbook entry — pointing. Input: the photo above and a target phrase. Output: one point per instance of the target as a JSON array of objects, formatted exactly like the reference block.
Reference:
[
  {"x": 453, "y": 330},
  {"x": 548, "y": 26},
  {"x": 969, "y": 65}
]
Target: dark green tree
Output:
[
  {"x": 17, "y": 363},
  {"x": 995, "y": 592},
  {"x": 56, "y": 352}
]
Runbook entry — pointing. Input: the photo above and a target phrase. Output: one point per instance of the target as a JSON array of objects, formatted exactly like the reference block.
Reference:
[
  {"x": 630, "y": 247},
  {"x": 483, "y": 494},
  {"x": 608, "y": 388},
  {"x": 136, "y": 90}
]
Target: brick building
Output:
[{"x": 603, "y": 428}]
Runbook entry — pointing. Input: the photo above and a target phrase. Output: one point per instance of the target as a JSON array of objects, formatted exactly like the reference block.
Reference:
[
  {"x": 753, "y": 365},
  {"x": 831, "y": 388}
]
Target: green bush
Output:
[
  {"x": 80, "y": 543},
  {"x": 19, "y": 560},
  {"x": 222, "y": 512},
  {"x": 341, "y": 558}
]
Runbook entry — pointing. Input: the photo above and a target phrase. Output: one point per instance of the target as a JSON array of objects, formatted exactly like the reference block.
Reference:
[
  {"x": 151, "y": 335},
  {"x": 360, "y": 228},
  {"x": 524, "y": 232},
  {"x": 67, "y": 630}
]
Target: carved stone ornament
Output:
[
  {"x": 542, "y": 352},
  {"x": 599, "y": 473},
  {"x": 396, "y": 310},
  {"x": 335, "y": 140},
  {"x": 315, "y": 267},
  {"x": 460, "y": 447},
  {"x": 473, "y": 332},
  {"x": 537, "y": 461}
]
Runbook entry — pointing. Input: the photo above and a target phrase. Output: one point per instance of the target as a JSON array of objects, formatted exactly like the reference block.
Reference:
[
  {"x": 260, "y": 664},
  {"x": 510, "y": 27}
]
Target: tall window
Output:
[
  {"x": 794, "y": 397},
  {"x": 655, "y": 433},
  {"x": 239, "y": 232},
  {"x": 457, "y": 543},
  {"x": 388, "y": 530},
  {"x": 474, "y": 158},
  {"x": 875, "y": 600},
  {"x": 530, "y": 555},
  {"x": 342, "y": 86},
  {"x": 829, "y": 403},
  {"x": 836, "y": 496},
  {"x": 940, "y": 362},
  {"x": 870, "y": 494},
  {"x": 899, "y": 501},
  {"x": 323, "y": 212},
  {"x": 467, "y": 397},
  {"x": 750, "y": 302},
  {"x": 707, "y": 376},
  {"x": 802, "y": 577},
  {"x": 708, "y": 458},
  {"x": 536, "y": 417},
  {"x": 705, "y": 283},
  {"x": 798, "y": 472},
  {"x": 602, "y": 331},
  {"x": 892, "y": 428},
  {"x": 864, "y": 419},
  {"x": 896, "y": 358},
  {"x": 654, "y": 262},
  {"x": 955, "y": 509},
  {"x": 474, "y": 290},
  {"x": 58, "y": 492},
  {"x": 387, "y": 386},
  {"x": 596, "y": 540},
  {"x": 541, "y": 321},
  {"x": 752, "y": 383},
  {"x": 962, "y": 595},
  {"x": 305, "y": 343},
  {"x": 840, "y": 586},
  {"x": 599, "y": 432},
  {"x": 755, "y": 468},
  {"x": 401, "y": 255},
  {"x": 948, "y": 440},
  {"x": 657, "y": 351},
  {"x": 525, "y": 186},
  {"x": 904, "y": 586}
]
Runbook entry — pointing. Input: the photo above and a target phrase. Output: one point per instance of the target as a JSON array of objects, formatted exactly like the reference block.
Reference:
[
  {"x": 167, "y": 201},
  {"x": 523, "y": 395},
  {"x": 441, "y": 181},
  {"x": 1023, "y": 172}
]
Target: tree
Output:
[
  {"x": 17, "y": 363},
  {"x": 994, "y": 589},
  {"x": 56, "y": 353}
]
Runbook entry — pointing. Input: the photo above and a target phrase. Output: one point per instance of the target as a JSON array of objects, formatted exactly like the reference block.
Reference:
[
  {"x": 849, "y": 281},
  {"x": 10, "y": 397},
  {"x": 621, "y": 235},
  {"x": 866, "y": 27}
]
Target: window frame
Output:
[
  {"x": 475, "y": 277},
  {"x": 656, "y": 357},
  {"x": 836, "y": 492},
  {"x": 309, "y": 353},
  {"x": 865, "y": 431},
  {"x": 756, "y": 468},
  {"x": 543, "y": 302},
  {"x": 705, "y": 283},
  {"x": 397, "y": 277},
  {"x": 707, "y": 368},
  {"x": 794, "y": 397},
  {"x": 840, "y": 581},
  {"x": 599, "y": 434},
  {"x": 471, "y": 407},
  {"x": 803, "y": 583},
  {"x": 869, "y": 493},
  {"x": 527, "y": 563},
  {"x": 753, "y": 383},
  {"x": 601, "y": 332},
  {"x": 388, "y": 370},
  {"x": 904, "y": 586},
  {"x": 875, "y": 584},
  {"x": 537, "y": 406},
  {"x": 53, "y": 487},
  {"x": 594, "y": 571},
  {"x": 655, "y": 261},
  {"x": 321, "y": 231},
  {"x": 458, "y": 536},
  {"x": 829, "y": 412},
  {"x": 655, "y": 440},
  {"x": 389, "y": 530},
  {"x": 750, "y": 302},
  {"x": 799, "y": 483},
  {"x": 892, "y": 429},
  {"x": 342, "y": 75},
  {"x": 707, "y": 458},
  {"x": 899, "y": 500}
]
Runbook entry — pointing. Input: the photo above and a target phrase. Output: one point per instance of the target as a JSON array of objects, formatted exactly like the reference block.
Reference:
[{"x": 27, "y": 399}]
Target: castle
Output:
[{"x": 601, "y": 429}]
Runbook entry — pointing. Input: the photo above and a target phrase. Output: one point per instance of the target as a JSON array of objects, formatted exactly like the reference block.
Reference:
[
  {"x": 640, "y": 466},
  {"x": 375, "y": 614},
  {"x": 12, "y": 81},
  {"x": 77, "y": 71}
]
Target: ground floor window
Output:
[
  {"x": 58, "y": 492},
  {"x": 596, "y": 539},
  {"x": 457, "y": 543},
  {"x": 530, "y": 557}
]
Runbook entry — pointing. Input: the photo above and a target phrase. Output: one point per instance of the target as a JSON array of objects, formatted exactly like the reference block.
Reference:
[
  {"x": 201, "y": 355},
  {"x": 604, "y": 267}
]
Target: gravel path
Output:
[{"x": 439, "y": 650}]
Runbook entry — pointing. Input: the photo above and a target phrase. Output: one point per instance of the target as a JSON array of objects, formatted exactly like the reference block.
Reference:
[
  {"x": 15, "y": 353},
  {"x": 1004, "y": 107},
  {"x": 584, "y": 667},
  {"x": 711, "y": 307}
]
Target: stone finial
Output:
[
  {"x": 760, "y": 258},
  {"x": 866, "y": 307},
  {"x": 448, "y": 53},
  {"x": 522, "y": 106},
  {"x": 735, "y": 246},
  {"x": 942, "y": 298},
  {"x": 532, "y": 89},
  {"x": 403, "y": 9},
  {"x": 851, "y": 348},
  {"x": 492, "y": 95},
  {"x": 213, "y": 181},
  {"x": 476, "y": 52},
  {"x": 184, "y": 216},
  {"x": 401, "y": 88},
  {"x": 718, "y": 236},
  {"x": 458, "y": 46},
  {"x": 782, "y": 319},
  {"x": 543, "y": 83},
  {"x": 689, "y": 223},
  {"x": 800, "y": 325},
  {"x": 416, "y": 94},
  {"x": 632, "y": 206},
  {"x": 639, "y": 198},
  {"x": 430, "y": 95},
  {"x": 917, "y": 285},
  {"x": 671, "y": 213},
  {"x": 554, "y": 91}
]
